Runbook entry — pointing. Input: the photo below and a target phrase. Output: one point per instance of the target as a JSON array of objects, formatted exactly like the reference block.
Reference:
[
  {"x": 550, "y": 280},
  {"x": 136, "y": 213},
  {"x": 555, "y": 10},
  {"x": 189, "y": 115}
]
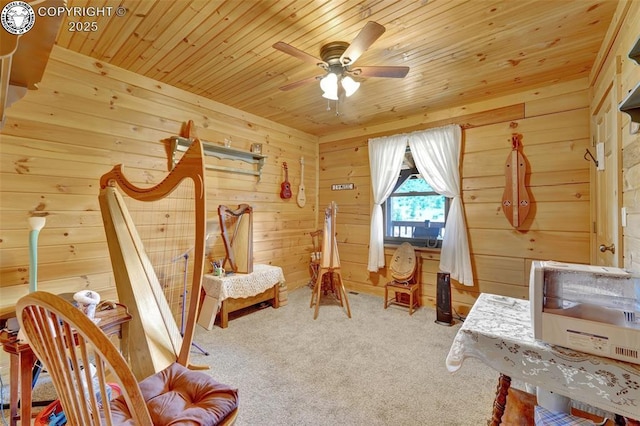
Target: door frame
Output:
[{"x": 602, "y": 93}]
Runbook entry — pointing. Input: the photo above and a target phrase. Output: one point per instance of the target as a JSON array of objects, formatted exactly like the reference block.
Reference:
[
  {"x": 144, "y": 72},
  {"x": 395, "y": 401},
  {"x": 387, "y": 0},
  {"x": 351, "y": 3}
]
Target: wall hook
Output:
[{"x": 590, "y": 155}]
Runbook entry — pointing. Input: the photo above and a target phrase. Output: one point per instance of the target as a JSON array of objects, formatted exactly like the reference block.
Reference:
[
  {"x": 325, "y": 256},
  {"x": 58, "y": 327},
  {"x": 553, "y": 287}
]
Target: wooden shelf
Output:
[
  {"x": 631, "y": 103},
  {"x": 222, "y": 152}
]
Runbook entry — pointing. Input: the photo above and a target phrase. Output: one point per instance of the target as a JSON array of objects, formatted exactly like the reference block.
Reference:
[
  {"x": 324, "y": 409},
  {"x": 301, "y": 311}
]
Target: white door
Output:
[{"x": 607, "y": 240}]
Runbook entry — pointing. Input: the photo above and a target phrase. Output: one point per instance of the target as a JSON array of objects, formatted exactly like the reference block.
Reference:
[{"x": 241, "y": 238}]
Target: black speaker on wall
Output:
[{"x": 444, "y": 315}]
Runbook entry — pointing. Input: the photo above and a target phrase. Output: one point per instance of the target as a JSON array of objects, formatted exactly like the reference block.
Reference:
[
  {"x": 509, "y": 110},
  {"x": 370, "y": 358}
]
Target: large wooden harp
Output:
[
  {"x": 236, "y": 226},
  {"x": 160, "y": 334}
]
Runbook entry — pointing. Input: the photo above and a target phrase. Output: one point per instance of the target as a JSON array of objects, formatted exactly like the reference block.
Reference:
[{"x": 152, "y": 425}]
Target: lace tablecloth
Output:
[
  {"x": 238, "y": 286},
  {"x": 498, "y": 332}
]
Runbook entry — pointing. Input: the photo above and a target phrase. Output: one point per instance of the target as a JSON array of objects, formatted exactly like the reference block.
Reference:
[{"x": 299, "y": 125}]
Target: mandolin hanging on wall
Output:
[{"x": 515, "y": 200}]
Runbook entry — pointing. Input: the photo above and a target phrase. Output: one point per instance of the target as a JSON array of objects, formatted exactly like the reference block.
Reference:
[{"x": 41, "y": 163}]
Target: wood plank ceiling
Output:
[{"x": 459, "y": 51}]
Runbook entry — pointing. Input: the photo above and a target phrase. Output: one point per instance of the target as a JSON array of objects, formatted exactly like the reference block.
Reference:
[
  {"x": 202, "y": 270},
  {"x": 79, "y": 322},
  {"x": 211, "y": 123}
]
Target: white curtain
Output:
[
  {"x": 385, "y": 160},
  {"x": 436, "y": 153}
]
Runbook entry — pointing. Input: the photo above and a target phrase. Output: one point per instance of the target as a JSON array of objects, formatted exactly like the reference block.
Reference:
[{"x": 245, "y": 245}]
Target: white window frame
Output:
[{"x": 414, "y": 241}]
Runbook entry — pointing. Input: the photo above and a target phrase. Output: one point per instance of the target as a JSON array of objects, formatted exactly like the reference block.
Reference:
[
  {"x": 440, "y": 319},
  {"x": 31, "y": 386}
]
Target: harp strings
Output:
[
  {"x": 330, "y": 256},
  {"x": 237, "y": 230},
  {"x": 167, "y": 232}
]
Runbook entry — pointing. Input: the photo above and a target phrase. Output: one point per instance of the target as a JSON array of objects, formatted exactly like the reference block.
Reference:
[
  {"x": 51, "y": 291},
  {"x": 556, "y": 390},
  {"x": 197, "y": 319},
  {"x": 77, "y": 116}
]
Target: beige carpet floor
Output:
[{"x": 381, "y": 367}]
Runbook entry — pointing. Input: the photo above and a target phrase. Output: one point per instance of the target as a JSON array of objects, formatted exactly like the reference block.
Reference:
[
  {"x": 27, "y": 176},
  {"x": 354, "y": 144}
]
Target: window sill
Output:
[{"x": 393, "y": 246}]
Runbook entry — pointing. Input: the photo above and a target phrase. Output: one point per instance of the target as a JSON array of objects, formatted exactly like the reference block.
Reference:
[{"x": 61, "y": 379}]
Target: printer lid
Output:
[{"x": 577, "y": 267}]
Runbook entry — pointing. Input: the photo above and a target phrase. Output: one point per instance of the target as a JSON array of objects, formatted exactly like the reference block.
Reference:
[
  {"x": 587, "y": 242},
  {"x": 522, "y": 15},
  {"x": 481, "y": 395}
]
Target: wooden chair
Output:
[
  {"x": 314, "y": 262},
  {"x": 81, "y": 359},
  {"x": 406, "y": 282}
]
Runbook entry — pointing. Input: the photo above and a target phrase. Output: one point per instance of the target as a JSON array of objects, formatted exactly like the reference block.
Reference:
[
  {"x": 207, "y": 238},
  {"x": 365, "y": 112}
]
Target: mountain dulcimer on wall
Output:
[{"x": 515, "y": 200}]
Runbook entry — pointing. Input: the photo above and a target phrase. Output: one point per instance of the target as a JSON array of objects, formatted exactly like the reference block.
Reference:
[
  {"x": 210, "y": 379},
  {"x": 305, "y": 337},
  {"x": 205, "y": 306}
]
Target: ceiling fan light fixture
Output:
[
  {"x": 350, "y": 85},
  {"x": 337, "y": 61},
  {"x": 329, "y": 85},
  {"x": 330, "y": 96}
]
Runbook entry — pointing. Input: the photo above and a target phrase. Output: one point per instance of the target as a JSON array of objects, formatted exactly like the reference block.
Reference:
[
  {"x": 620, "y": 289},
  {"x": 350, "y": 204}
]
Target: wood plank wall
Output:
[
  {"x": 88, "y": 116},
  {"x": 554, "y": 122}
]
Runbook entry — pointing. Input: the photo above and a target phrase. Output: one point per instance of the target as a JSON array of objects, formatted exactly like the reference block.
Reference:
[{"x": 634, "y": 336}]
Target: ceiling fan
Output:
[{"x": 337, "y": 59}]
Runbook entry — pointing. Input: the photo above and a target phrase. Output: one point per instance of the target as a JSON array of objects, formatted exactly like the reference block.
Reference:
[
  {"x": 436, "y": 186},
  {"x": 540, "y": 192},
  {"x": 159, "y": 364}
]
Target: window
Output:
[{"x": 414, "y": 212}]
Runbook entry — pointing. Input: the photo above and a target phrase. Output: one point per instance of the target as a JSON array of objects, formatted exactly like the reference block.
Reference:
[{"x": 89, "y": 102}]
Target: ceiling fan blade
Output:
[
  {"x": 297, "y": 53},
  {"x": 297, "y": 84},
  {"x": 389, "y": 72},
  {"x": 365, "y": 38}
]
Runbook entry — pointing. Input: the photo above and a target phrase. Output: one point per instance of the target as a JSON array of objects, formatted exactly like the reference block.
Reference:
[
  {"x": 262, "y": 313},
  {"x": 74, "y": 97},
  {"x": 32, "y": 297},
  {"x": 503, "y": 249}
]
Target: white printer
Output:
[{"x": 593, "y": 309}]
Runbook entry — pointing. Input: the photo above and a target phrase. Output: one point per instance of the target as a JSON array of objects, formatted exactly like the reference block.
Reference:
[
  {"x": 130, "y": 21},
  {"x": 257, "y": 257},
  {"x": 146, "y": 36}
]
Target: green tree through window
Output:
[{"x": 415, "y": 212}]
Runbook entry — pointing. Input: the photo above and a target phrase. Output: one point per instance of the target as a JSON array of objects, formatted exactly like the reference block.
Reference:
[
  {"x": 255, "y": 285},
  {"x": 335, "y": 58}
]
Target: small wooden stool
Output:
[
  {"x": 403, "y": 291},
  {"x": 405, "y": 285}
]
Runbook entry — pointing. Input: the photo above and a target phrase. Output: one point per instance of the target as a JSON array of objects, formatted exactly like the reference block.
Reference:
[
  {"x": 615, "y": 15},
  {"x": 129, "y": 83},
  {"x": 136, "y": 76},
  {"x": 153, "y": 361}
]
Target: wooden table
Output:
[
  {"x": 237, "y": 291},
  {"x": 498, "y": 332},
  {"x": 22, "y": 359}
]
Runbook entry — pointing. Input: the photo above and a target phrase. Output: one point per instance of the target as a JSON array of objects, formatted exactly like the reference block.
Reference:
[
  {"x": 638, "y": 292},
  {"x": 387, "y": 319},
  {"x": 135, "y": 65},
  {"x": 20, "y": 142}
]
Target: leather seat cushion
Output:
[{"x": 179, "y": 396}]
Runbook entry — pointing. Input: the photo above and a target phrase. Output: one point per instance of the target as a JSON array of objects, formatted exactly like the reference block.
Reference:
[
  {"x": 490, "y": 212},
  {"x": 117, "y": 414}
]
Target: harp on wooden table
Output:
[
  {"x": 158, "y": 263},
  {"x": 236, "y": 226}
]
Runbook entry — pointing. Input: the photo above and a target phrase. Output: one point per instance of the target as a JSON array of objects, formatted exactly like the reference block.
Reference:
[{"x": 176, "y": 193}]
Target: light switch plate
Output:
[{"x": 600, "y": 155}]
